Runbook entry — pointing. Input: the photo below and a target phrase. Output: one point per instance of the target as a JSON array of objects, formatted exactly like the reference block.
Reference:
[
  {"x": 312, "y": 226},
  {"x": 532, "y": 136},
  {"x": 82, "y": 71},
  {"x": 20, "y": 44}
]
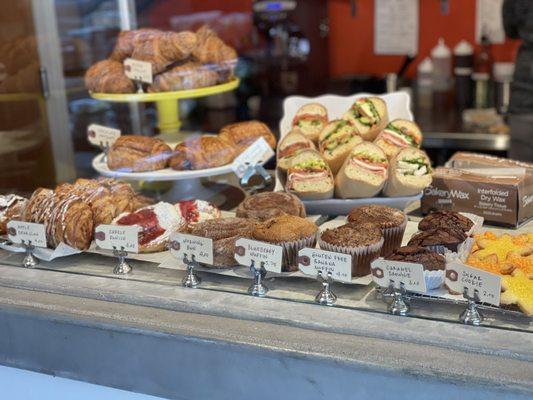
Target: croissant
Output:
[
  {"x": 241, "y": 135},
  {"x": 211, "y": 49},
  {"x": 165, "y": 49},
  {"x": 138, "y": 154},
  {"x": 11, "y": 208},
  {"x": 108, "y": 76},
  {"x": 128, "y": 40},
  {"x": 190, "y": 75},
  {"x": 201, "y": 152}
]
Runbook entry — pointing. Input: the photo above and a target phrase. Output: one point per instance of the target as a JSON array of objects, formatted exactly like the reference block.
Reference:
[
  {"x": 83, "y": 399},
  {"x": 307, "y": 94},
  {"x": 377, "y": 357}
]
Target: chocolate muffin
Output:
[
  {"x": 391, "y": 221},
  {"x": 266, "y": 205},
  {"x": 363, "y": 243},
  {"x": 439, "y": 239},
  {"x": 291, "y": 232},
  {"x": 438, "y": 219}
]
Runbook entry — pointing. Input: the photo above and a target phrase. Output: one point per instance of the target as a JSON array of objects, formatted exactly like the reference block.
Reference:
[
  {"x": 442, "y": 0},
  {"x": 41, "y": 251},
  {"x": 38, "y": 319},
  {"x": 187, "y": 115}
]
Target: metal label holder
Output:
[
  {"x": 471, "y": 315},
  {"x": 29, "y": 261},
  {"x": 122, "y": 267},
  {"x": 400, "y": 302},
  {"x": 325, "y": 297},
  {"x": 252, "y": 170},
  {"x": 191, "y": 280},
  {"x": 258, "y": 289}
]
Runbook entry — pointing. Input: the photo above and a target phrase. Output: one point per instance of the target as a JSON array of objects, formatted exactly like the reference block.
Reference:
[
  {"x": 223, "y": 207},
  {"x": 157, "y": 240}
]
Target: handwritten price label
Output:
[
  {"x": 138, "y": 70},
  {"x": 102, "y": 136},
  {"x": 201, "y": 248},
  {"x": 488, "y": 286},
  {"x": 258, "y": 153},
  {"x": 313, "y": 261},
  {"x": 111, "y": 237},
  {"x": 19, "y": 231},
  {"x": 410, "y": 274},
  {"x": 248, "y": 251}
]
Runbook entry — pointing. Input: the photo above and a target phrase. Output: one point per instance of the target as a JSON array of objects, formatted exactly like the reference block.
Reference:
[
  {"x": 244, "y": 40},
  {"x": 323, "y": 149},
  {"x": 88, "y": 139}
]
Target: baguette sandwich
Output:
[
  {"x": 309, "y": 177},
  {"x": 336, "y": 141},
  {"x": 399, "y": 134},
  {"x": 363, "y": 173},
  {"x": 369, "y": 116},
  {"x": 410, "y": 173},
  {"x": 311, "y": 119},
  {"x": 292, "y": 144}
]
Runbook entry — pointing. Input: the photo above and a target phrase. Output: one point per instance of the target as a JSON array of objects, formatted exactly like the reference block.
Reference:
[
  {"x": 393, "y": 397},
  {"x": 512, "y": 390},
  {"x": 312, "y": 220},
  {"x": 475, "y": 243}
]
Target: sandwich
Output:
[
  {"x": 309, "y": 177},
  {"x": 336, "y": 141},
  {"x": 410, "y": 173},
  {"x": 311, "y": 119},
  {"x": 398, "y": 135},
  {"x": 363, "y": 173},
  {"x": 292, "y": 144},
  {"x": 369, "y": 116}
]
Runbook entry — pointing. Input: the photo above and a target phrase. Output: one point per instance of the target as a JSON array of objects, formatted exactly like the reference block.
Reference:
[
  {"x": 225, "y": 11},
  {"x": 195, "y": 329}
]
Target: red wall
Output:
[{"x": 352, "y": 38}]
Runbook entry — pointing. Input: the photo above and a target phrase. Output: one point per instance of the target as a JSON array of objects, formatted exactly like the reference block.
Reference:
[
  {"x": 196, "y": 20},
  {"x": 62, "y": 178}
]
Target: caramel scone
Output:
[{"x": 132, "y": 153}]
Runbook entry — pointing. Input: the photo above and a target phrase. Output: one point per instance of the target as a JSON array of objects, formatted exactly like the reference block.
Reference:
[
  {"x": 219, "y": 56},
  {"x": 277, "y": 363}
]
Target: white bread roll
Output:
[
  {"x": 369, "y": 116},
  {"x": 398, "y": 135},
  {"x": 309, "y": 177},
  {"x": 410, "y": 173},
  {"x": 290, "y": 145},
  {"x": 311, "y": 119},
  {"x": 363, "y": 173},
  {"x": 336, "y": 141}
]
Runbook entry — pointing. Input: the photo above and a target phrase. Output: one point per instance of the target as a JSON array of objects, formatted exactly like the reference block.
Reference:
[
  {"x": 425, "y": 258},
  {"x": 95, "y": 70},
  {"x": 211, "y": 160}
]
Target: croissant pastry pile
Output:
[{"x": 180, "y": 61}]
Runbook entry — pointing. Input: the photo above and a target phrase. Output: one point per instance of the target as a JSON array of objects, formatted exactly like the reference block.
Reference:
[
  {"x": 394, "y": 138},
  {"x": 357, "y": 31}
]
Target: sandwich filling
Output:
[
  {"x": 309, "y": 171},
  {"x": 294, "y": 148},
  {"x": 400, "y": 137},
  {"x": 364, "y": 111},
  {"x": 372, "y": 163},
  {"x": 415, "y": 166},
  {"x": 340, "y": 134},
  {"x": 309, "y": 121}
]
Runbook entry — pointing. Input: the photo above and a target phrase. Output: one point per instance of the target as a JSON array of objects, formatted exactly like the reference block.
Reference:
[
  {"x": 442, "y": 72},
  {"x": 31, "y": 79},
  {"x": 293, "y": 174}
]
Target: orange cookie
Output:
[{"x": 518, "y": 289}]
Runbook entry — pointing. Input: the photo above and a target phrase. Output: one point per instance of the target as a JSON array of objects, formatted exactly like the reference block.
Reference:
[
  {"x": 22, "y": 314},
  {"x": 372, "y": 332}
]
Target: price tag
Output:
[
  {"x": 312, "y": 261},
  {"x": 138, "y": 70},
  {"x": 247, "y": 250},
  {"x": 259, "y": 152},
  {"x": 410, "y": 274},
  {"x": 111, "y": 237},
  {"x": 103, "y": 136},
  {"x": 201, "y": 248},
  {"x": 19, "y": 231},
  {"x": 487, "y": 285}
]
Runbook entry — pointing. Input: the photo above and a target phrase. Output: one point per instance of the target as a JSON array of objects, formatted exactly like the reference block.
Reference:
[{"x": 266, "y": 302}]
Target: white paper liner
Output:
[
  {"x": 291, "y": 249},
  {"x": 361, "y": 256},
  {"x": 476, "y": 219},
  {"x": 434, "y": 279},
  {"x": 45, "y": 254},
  {"x": 393, "y": 238}
]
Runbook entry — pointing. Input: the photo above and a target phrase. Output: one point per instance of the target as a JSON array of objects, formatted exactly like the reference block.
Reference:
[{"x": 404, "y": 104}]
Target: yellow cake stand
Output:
[{"x": 167, "y": 103}]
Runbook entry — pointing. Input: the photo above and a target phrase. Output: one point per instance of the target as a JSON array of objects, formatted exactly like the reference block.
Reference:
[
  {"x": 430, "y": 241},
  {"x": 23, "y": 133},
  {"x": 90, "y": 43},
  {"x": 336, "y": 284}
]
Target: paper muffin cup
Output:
[
  {"x": 434, "y": 279},
  {"x": 392, "y": 238},
  {"x": 361, "y": 256},
  {"x": 291, "y": 249}
]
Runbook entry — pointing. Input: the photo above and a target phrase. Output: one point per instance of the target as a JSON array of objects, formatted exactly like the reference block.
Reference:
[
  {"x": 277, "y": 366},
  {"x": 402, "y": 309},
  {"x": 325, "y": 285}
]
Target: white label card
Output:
[
  {"x": 258, "y": 152},
  {"x": 138, "y": 70},
  {"x": 102, "y": 136},
  {"x": 111, "y": 237},
  {"x": 201, "y": 248},
  {"x": 247, "y": 250},
  {"x": 410, "y": 274},
  {"x": 311, "y": 261},
  {"x": 19, "y": 231},
  {"x": 487, "y": 285}
]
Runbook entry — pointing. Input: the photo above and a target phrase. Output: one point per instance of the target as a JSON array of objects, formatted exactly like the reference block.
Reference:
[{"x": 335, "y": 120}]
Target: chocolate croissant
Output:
[
  {"x": 108, "y": 76},
  {"x": 190, "y": 75},
  {"x": 200, "y": 153},
  {"x": 138, "y": 154}
]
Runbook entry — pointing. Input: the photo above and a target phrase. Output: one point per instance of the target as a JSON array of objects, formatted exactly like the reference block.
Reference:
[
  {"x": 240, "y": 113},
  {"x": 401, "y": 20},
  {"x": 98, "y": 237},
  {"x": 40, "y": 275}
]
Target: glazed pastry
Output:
[
  {"x": 123, "y": 194},
  {"x": 190, "y": 75},
  {"x": 399, "y": 134},
  {"x": 157, "y": 223},
  {"x": 439, "y": 239},
  {"x": 266, "y": 205},
  {"x": 369, "y": 116},
  {"x": 224, "y": 232},
  {"x": 289, "y": 146},
  {"x": 196, "y": 211},
  {"x": 128, "y": 40},
  {"x": 241, "y": 135},
  {"x": 518, "y": 289},
  {"x": 200, "y": 153},
  {"x": 336, "y": 141},
  {"x": 108, "y": 76},
  {"x": 311, "y": 119},
  {"x": 11, "y": 208},
  {"x": 309, "y": 177},
  {"x": 439, "y": 219},
  {"x": 132, "y": 153},
  {"x": 410, "y": 173}
]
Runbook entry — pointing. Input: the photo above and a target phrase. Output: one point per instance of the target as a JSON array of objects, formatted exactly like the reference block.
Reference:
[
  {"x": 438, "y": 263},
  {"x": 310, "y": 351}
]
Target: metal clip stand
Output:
[
  {"x": 258, "y": 289},
  {"x": 471, "y": 316},
  {"x": 191, "y": 280},
  {"x": 29, "y": 260},
  {"x": 122, "y": 267},
  {"x": 252, "y": 170},
  {"x": 325, "y": 297},
  {"x": 398, "y": 305},
  {"x": 105, "y": 150}
]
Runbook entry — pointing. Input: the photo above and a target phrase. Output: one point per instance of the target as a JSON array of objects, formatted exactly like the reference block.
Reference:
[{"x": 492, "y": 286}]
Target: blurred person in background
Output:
[{"x": 518, "y": 24}]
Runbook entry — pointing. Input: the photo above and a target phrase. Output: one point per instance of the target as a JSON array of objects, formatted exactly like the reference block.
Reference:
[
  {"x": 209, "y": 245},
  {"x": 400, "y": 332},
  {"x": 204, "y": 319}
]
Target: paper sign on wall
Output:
[
  {"x": 100, "y": 135},
  {"x": 488, "y": 286},
  {"x": 270, "y": 255},
  {"x": 410, "y": 274},
  {"x": 201, "y": 248},
  {"x": 258, "y": 152},
  {"x": 138, "y": 70},
  {"x": 396, "y": 27},
  {"x": 19, "y": 231},
  {"x": 489, "y": 21},
  {"x": 311, "y": 261},
  {"x": 111, "y": 237}
]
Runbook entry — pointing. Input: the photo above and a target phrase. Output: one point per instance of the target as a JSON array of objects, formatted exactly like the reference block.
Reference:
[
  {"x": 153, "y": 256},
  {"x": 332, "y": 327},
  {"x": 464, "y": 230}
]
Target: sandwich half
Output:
[
  {"x": 311, "y": 119},
  {"x": 410, "y": 173},
  {"x": 309, "y": 177},
  {"x": 363, "y": 173},
  {"x": 290, "y": 145},
  {"x": 336, "y": 141},
  {"x": 369, "y": 116},
  {"x": 399, "y": 134}
]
